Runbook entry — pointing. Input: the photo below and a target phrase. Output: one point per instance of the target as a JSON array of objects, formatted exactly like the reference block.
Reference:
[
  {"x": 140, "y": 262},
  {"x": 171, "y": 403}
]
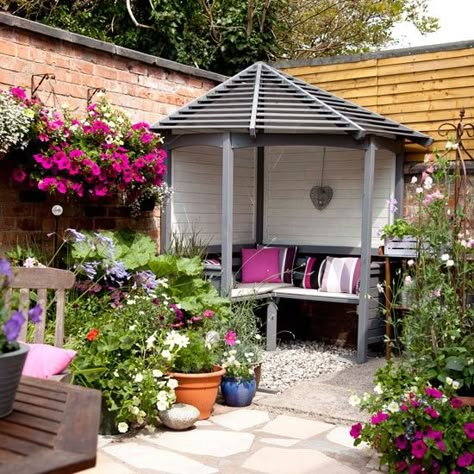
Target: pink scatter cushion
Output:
[
  {"x": 43, "y": 360},
  {"x": 261, "y": 265}
]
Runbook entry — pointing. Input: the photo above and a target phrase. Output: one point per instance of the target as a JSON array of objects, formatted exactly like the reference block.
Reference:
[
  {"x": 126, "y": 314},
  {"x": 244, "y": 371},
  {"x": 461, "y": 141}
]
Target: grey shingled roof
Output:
[{"x": 261, "y": 99}]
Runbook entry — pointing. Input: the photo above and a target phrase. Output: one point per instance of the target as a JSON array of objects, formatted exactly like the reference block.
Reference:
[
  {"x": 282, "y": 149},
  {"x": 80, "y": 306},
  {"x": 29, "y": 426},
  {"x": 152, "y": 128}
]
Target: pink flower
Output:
[
  {"x": 418, "y": 449},
  {"x": 208, "y": 313},
  {"x": 401, "y": 442},
  {"x": 140, "y": 126},
  {"x": 43, "y": 137},
  {"x": 356, "y": 430},
  {"x": 433, "y": 392},
  {"x": 400, "y": 466},
  {"x": 74, "y": 154},
  {"x": 456, "y": 402},
  {"x": 441, "y": 446},
  {"x": 380, "y": 417},
  {"x": 61, "y": 187},
  {"x": 100, "y": 190},
  {"x": 147, "y": 138},
  {"x": 18, "y": 175},
  {"x": 465, "y": 460},
  {"x": 436, "y": 293},
  {"x": 403, "y": 407},
  {"x": 435, "y": 435},
  {"x": 469, "y": 430},
  {"x": 231, "y": 338},
  {"x": 18, "y": 92},
  {"x": 432, "y": 412},
  {"x": 415, "y": 469}
]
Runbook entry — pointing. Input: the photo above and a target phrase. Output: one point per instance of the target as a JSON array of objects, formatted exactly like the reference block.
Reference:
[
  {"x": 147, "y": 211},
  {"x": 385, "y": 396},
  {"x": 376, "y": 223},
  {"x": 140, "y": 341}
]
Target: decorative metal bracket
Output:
[
  {"x": 41, "y": 77},
  {"x": 445, "y": 128},
  {"x": 91, "y": 92}
]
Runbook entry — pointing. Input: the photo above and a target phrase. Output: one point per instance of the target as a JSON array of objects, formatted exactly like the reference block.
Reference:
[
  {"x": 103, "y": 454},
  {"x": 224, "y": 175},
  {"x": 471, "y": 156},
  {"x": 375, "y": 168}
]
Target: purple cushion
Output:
[
  {"x": 286, "y": 262},
  {"x": 43, "y": 360},
  {"x": 261, "y": 265},
  {"x": 341, "y": 275},
  {"x": 312, "y": 273}
]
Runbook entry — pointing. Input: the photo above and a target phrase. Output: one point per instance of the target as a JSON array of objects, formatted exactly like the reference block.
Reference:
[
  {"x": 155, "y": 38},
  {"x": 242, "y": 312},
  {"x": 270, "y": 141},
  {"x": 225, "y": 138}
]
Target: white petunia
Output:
[
  {"x": 455, "y": 384},
  {"x": 449, "y": 381},
  {"x": 138, "y": 378},
  {"x": 393, "y": 407},
  {"x": 172, "y": 383},
  {"x": 411, "y": 262},
  {"x": 162, "y": 406},
  {"x": 450, "y": 263},
  {"x": 354, "y": 400},
  {"x": 414, "y": 179},
  {"x": 445, "y": 257},
  {"x": 166, "y": 354},
  {"x": 378, "y": 389},
  {"x": 122, "y": 427},
  {"x": 134, "y": 410},
  {"x": 157, "y": 373},
  {"x": 419, "y": 190},
  {"x": 428, "y": 184},
  {"x": 150, "y": 342}
]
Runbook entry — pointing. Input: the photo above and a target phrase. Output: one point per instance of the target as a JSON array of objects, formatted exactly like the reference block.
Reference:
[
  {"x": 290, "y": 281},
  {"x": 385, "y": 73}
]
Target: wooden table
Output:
[{"x": 53, "y": 428}]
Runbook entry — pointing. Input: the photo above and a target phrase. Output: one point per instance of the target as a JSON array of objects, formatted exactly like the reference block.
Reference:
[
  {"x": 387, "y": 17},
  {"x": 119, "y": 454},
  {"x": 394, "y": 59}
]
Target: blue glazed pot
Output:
[{"x": 238, "y": 393}]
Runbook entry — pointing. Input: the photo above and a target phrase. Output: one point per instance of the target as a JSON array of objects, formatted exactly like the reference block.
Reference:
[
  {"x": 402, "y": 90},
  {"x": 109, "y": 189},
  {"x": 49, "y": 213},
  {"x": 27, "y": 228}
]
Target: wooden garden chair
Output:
[{"x": 43, "y": 281}]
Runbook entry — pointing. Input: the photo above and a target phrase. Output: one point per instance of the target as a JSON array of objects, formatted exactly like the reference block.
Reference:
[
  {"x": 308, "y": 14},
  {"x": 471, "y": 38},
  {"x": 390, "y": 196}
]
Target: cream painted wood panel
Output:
[
  {"x": 197, "y": 199},
  {"x": 291, "y": 218}
]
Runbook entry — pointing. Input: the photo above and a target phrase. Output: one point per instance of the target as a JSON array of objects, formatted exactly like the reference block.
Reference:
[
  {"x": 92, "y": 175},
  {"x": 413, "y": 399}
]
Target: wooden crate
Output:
[{"x": 405, "y": 247}]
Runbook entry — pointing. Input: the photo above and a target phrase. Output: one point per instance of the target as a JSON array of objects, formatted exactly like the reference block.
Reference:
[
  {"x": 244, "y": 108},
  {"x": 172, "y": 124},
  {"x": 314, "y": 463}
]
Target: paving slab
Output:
[
  {"x": 293, "y": 427},
  {"x": 108, "y": 465},
  {"x": 284, "y": 442},
  {"x": 242, "y": 419},
  {"x": 158, "y": 460},
  {"x": 296, "y": 461}
]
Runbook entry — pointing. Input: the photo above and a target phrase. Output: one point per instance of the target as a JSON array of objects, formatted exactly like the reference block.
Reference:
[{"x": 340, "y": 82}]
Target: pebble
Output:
[
  {"x": 180, "y": 416},
  {"x": 297, "y": 361}
]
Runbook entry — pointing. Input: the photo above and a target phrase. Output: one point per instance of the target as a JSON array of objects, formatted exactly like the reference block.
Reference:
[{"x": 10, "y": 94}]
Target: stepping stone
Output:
[
  {"x": 284, "y": 442},
  {"x": 241, "y": 419},
  {"x": 340, "y": 435},
  {"x": 283, "y": 461},
  {"x": 158, "y": 460},
  {"x": 107, "y": 465},
  {"x": 293, "y": 427},
  {"x": 180, "y": 416},
  {"x": 206, "y": 442}
]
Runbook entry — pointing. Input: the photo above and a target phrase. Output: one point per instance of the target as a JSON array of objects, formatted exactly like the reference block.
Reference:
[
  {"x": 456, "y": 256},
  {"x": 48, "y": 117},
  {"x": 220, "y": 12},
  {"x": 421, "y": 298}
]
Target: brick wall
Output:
[{"x": 145, "y": 87}]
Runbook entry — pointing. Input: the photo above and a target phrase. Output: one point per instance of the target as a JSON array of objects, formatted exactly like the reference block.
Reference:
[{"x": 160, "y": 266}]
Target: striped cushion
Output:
[
  {"x": 312, "y": 273},
  {"x": 287, "y": 262},
  {"x": 341, "y": 275}
]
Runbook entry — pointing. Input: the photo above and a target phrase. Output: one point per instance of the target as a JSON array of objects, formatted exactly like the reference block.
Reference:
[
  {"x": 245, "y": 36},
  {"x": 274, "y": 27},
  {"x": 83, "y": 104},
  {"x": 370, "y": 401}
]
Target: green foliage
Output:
[
  {"x": 227, "y": 35},
  {"x": 400, "y": 228}
]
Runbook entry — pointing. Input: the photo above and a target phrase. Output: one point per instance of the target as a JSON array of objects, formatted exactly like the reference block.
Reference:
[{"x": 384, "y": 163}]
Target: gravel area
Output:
[{"x": 298, "y": 361}]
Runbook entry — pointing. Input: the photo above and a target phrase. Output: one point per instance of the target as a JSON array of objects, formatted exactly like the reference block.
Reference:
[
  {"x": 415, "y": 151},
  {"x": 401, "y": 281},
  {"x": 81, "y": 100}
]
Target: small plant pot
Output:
[
  {"x": 11, "y": 365},
  {"x": 199, "y": 390},
  {"x": 238, "y": 393}
]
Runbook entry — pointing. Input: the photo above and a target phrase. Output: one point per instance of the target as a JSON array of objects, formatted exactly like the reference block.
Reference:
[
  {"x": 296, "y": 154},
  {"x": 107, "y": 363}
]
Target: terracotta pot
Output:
[
  {"x": 199, "y": 390},
  {"x": 11, "y": 365}
]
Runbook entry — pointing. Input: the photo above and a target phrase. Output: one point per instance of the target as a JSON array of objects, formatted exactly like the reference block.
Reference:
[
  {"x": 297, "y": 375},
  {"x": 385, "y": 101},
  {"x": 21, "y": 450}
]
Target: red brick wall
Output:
[{"x": 145, "y": 91}]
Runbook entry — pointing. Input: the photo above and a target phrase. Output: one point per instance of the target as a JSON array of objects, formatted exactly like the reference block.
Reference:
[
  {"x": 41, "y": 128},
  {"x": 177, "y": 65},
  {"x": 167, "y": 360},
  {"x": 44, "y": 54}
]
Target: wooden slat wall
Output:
[
  {"x": 289, "y": 215},
  {"x": 197, "y": 200},
  {"x": 419, "y": 90}
]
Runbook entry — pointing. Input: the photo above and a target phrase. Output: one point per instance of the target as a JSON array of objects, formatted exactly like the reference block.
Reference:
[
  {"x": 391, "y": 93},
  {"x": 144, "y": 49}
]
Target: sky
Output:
[{"x": 456, "y": 20}]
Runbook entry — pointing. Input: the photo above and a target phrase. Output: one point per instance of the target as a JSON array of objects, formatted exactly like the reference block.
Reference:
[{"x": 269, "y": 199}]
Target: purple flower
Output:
[
  {"x": 432, "y": 412},
  {"x": 400, "y": 466},
  {"x": 392, "y": 205},
  {"x": 469, "y": 430},
  {"x": 380, "y": 417},
  {"x": 465, "y": 460},
  {"x": 89, "y": 268},
  {"x": 146, "y": 280},
  {"x": 415, "y": 469},
  {"x": 75, "y": 235},
  {"x": 106, "y": 245},
  {"x": 356, "y": 430},
  {"x": 5, "y": 268},
  {"x": 117, "y": 272},
  {"x": 418, "y": 449},
  {"x": 12, "y": 327},
  {"x": 433, "y": 392},
  {"x": 35, "y": 313},
  {"x": 435, "y": 435},
  {"x": 456, "y": 402}
]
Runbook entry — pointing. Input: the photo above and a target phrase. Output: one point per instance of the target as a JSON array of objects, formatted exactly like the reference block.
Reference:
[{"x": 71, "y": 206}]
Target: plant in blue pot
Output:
[{"x": 238, "y": 385}]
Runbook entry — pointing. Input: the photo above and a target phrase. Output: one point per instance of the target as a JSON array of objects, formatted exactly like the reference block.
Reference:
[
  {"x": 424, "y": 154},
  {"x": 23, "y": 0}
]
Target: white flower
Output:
[
  {"x": 258, "y": 337},
  {"x": 166, "y": 354},
  {"x": 116, "y": 374},
  {"x": 414, "y": 179},
  {"x": 134, "y": 410},
  {"x": 122, "y": 427},
  {"x": 150, "y": 342},
  {"x": 393, "y": 407},
  {"x": 354, "y": 400},
  {"x": 380, "y": 287},
  {"x": 212, "y": 338},
  {"x": 449, "y": 381},
  {"x": 428, "y": 184},
  {"x": 150, "y": 428},
  {"x": 174, "y": 338},
  {"x": 451, "y": 146},
  {"x": 450, "y": 263},
  {"x": 411, "y": 262},
  {"x": 162, "y": 406},
  {"x": 445, "y": 257},
  {"x": 408, "y": 280},
  {"x": 138, "y": 378},
  {"x": 455, "y": 384},
  {"x": 132, "y": 327},
  {"x": 378, "y": 389},
  {"x": 419, "y": 190},
  {"x": 172, "y": 383},
  {"x": 157, "y": 373},
  {"x": 140, "y": 420}
]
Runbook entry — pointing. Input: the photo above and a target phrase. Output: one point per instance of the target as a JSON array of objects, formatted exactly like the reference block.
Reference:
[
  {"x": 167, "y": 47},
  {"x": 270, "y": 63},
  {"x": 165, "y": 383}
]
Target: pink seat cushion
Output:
[
  {"x": 261, "y": 265},
  {"x": 43, "y": 360}
]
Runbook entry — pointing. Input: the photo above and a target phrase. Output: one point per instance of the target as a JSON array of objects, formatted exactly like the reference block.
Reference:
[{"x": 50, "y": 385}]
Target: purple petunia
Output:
[
  {"x": 401, "y": 442},
  {"x": 380, "y": 417},
  {"x": 465, "y": 460},
  {"x": 418, "y": 449},
  {"x": 356, "y": 430},
  {"x": 433, "y": 392},
  {"x": 12, "y": 327},
  {"x": 469, "y": 430}
]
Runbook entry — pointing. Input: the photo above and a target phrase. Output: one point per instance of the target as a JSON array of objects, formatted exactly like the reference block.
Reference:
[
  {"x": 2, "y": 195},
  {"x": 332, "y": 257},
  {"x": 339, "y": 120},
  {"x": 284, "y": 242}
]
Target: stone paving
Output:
[{"x": 238, "y": 440}]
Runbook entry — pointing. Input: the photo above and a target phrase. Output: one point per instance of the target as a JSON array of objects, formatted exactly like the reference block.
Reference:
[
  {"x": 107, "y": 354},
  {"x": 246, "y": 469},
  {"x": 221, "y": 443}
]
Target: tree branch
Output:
[{"x": 132, "y": 16}]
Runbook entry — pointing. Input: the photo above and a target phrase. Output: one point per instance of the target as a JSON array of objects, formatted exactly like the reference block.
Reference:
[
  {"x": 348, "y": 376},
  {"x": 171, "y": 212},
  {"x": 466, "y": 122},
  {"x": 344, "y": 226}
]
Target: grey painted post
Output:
[
  {"x": 165, "y": 213},
  {"x": 271, "y": 334},
  {"x": 399, "y": 182},
  {"x": 365, "y": 252},
  {"x": 227, "y": 212}
]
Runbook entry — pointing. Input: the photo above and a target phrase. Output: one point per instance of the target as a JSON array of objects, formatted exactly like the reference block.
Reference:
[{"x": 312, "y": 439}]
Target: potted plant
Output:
[
  {"x": 238, "y": 385},
  {"x": 12, "y": 353},
  {"x": 399, "y": 239}
]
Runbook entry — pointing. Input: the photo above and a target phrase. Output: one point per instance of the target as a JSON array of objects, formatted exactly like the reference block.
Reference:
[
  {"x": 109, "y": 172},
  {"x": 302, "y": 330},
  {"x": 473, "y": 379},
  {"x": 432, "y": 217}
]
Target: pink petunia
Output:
[
  {"x": 100, "y": 191},
  {"x": 465, "y": 460},
  {"x": 230, "y": 338},
  {"x": 456, "y": 402},
  {"x": 401, "y": 442},
  {"x": 380, "y": 417},
  {"x": 43, "y": 137},
  {"x": 18, "y": 92},
  {"x": 18, "y": 175},
  {"x": 400, "y": 466},
  {"x": 147, "y": 138},
  {"x": 469, "y": 430},
  {"x": 433, "y": 392},
  {"x": 356, "y": 430},
  {"x": 418, "y": 449},
  {"x": 432, "y": 412},
  {"x": 208, "y": 313},
  {"x": 415, "y": 469},
  {"x": 141, "y": 126}
]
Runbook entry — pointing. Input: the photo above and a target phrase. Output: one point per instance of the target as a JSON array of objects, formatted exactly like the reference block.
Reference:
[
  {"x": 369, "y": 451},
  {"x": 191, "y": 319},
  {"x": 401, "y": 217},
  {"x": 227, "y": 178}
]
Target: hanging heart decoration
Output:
[{"x": 321, "y": 196}]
